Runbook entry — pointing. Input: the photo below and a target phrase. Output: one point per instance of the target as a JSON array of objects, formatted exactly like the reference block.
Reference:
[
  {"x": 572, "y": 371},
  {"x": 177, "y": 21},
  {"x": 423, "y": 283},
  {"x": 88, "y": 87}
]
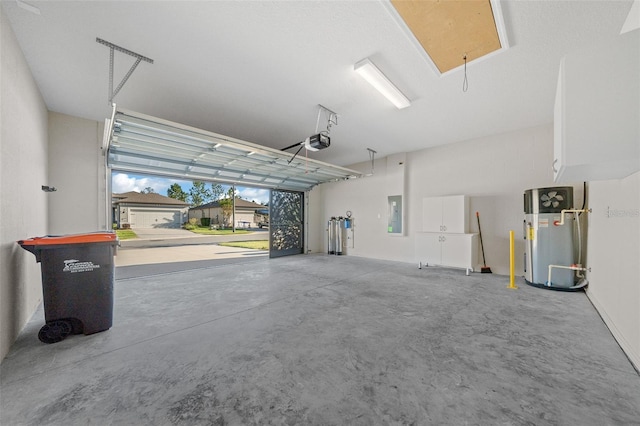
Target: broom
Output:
[{"x": 485, "y": 269}]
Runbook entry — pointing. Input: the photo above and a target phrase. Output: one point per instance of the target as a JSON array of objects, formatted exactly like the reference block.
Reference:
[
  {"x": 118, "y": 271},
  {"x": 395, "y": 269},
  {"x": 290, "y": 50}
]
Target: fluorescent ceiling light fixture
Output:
[{"x": 377, "y": 79}]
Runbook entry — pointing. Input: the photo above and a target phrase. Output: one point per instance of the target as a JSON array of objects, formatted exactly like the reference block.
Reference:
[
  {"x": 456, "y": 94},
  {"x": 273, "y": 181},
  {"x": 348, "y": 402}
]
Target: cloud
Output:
[
  {"x": 254, "y": 194},
  {"x": 123, "y": 182}
]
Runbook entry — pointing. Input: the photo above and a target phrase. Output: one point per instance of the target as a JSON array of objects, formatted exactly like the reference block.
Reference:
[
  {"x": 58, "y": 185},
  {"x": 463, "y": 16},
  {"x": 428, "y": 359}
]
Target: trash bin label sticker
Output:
[{"x": 74, "y": 265}]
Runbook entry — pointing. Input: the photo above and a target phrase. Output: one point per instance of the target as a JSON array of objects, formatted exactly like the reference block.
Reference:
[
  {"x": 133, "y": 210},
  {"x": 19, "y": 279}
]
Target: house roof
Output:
[
  {"x": 134, "y": 197},
  {"x": 240, "y": 203}
]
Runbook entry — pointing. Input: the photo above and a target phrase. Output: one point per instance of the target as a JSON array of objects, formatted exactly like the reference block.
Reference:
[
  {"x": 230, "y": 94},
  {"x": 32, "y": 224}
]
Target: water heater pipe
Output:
[
  {"x": 562, "y": 213},
  {"x": 572, "y": 267}
]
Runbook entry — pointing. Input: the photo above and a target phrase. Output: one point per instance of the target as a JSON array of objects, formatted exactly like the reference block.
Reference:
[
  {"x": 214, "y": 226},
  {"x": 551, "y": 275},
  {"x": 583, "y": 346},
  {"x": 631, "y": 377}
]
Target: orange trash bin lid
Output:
[{"x": 93, "y": 237}]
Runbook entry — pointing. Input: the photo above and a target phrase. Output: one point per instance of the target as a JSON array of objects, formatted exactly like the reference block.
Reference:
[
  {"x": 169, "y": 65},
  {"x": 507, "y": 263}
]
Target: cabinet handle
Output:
[
  {"x": 553, "y": 166},
  {"x": 444, "y": 227}
]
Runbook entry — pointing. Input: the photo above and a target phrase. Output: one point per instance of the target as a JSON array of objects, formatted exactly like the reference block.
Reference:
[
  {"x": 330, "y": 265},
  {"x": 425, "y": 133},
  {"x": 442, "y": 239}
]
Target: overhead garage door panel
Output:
[{"x": 143, "y": 144}]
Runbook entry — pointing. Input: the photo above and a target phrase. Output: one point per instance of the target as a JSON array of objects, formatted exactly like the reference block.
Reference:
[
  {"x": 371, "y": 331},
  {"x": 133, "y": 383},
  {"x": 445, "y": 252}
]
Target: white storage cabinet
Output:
[
  {"x": 597, "y": 112},
  {"x": 445, "y": 240},
  {"x": 445, "y": 214}
]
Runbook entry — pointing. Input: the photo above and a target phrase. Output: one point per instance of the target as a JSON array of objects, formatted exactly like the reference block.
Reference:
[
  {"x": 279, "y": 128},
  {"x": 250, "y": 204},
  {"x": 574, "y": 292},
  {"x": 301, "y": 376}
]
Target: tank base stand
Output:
[{"x": 55, "y": 331}]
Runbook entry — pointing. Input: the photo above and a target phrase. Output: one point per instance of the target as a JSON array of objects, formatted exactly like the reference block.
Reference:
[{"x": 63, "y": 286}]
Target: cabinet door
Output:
[
  {"x": 432, "y": 214},
  {"x": 455, "y": 215},
  {"x": 596, "y": 112},
  {"x": 459, "y": 250},
  {"x": 428, "y": 248}
]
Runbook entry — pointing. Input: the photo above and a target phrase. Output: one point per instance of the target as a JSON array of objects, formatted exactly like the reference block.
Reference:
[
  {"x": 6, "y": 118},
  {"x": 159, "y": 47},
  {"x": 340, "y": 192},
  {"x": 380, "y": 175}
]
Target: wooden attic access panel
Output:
[{"x": 447, "y": 30}]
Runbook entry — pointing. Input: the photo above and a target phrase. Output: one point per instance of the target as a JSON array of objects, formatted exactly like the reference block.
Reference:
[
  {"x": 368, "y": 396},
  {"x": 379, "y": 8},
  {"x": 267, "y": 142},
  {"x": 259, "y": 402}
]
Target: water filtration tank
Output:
[
  {"x": 335, "y": 235},
  {"x": 547, "y": 242},
  {"x": 332, "y": 230}
]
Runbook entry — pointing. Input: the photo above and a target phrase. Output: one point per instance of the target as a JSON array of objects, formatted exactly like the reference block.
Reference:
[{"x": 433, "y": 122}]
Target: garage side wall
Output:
[
  {"x": 23, "y": 170},
  {"x": 77, "y": 170},
  {"x": 613, "y": 253},
  {"x": 493, "y": 171}
]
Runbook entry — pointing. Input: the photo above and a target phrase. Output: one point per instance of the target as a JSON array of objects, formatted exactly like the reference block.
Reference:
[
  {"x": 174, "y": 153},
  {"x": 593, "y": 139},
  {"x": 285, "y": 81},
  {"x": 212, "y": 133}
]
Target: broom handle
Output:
[{"x": 481, "y": 245}]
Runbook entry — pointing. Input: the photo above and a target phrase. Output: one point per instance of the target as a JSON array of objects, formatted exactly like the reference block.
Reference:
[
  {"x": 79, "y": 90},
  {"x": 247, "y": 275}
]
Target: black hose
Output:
[{"x": 547, "y": 287}]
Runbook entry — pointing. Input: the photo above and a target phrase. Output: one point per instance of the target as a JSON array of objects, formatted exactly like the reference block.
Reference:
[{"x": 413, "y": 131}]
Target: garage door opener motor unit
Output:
[{"x": 553, "y": 255}]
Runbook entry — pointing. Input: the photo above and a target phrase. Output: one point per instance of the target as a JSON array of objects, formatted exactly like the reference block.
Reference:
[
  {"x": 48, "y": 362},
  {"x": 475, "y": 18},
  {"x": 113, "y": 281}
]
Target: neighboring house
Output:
[
  {"x": 245, "y": 215},
  {"x": 136, "y": 210}
]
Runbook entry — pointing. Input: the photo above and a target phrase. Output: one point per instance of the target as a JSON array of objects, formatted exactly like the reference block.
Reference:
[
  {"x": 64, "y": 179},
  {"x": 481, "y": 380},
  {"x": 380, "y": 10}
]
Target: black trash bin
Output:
[{"x": 77, "y": 282}]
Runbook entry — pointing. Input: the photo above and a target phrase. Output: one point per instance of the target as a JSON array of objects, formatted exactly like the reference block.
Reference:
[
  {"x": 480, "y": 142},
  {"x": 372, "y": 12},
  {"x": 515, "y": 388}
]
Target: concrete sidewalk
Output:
[
  {"x": 171, "y": 254},
  {"x": 162, "y": 251},
  {"x": 144, "y": 262}
]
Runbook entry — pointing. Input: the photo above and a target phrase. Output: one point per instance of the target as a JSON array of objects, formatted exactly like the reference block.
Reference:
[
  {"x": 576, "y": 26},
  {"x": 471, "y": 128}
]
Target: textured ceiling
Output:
[{"x": 256, "y": 70}]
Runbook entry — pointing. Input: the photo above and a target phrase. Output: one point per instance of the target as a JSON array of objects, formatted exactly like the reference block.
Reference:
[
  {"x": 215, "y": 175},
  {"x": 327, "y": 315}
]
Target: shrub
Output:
[
  {"x": 192, "y": 224},
  {"x": 205, "y": 221}
]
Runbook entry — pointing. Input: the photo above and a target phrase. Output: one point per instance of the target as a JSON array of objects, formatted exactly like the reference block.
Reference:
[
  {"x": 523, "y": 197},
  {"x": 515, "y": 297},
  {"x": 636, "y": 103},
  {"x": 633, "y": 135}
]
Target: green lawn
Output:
[
  {"x": 258, "y": 245},
  {"x": 125, "y": 234},
  {"x": 207, "y": 231}
]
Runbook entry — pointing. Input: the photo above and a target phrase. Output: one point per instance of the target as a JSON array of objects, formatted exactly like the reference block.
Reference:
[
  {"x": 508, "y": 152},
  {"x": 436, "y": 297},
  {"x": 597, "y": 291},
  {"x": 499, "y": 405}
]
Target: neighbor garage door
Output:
[{"x": 156, "y": 218}]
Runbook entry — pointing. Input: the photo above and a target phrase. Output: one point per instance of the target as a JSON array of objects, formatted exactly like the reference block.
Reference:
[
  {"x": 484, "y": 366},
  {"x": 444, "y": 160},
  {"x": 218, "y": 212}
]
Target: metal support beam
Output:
[{"x": 112, "y": 48}]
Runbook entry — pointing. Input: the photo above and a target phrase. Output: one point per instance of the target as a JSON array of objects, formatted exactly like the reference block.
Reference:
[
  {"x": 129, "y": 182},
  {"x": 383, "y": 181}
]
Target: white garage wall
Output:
[
  {"x": 77, "y": 170},
  {"x": 493, "y": 171},
  {"x": 613, "y": 255},
  {"x": 23, "y": 170}
]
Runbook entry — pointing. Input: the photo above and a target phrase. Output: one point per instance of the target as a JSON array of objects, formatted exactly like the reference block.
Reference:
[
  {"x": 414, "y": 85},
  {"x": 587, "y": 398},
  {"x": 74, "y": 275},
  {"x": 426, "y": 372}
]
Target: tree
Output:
[
  {"x": 226, "y": 204},
  {"x": 148, "y": 190},
  {"x": 175, "y": 191},
  {"x": 232, "y": 192},
  {"x": 199, "y": 193},
  {"x": 216, "y": 191}
]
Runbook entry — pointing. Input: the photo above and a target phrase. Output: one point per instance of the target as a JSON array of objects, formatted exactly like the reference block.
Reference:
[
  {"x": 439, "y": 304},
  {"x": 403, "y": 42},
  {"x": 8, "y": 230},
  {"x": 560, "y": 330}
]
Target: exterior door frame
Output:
[{"x": 287, "y": 229}]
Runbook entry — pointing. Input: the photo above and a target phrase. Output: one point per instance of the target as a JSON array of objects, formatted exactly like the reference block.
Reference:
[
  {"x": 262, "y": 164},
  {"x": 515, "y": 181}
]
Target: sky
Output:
[{"x": 125, "y": 182}]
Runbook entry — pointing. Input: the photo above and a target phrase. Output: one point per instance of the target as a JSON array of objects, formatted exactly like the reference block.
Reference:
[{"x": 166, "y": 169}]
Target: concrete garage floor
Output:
[{"x": 327, "y": 340}]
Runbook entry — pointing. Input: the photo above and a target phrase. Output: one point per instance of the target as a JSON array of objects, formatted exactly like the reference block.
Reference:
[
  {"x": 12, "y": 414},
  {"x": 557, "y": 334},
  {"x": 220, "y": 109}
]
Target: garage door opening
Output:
[
  {"x": 166, "y": 220},
  {"x": 142, "y": 144}
]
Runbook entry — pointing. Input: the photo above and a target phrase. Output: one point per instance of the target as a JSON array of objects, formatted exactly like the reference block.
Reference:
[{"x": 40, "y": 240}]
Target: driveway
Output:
[{"x": 159, "y": 251}]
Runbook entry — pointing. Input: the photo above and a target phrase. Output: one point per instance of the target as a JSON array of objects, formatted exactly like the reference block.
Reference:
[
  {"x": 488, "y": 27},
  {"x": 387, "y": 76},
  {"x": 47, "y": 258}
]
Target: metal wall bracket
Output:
[
  {"x": 112, "y": 48},
  {"x": 372, "y": 157}
]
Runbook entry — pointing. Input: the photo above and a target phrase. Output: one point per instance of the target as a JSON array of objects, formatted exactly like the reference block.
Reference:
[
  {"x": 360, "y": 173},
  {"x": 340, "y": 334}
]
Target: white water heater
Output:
[{"x": 548, "y": 242}]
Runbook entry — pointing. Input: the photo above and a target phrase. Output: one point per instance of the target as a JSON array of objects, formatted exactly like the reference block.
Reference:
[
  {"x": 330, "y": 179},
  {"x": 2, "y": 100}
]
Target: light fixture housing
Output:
[{"x": 377, "y": 79}]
